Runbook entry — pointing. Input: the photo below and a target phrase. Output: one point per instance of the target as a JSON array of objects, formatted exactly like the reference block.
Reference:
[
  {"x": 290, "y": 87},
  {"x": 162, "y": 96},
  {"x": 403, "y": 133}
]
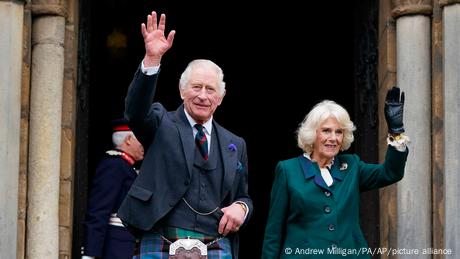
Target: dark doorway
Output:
[{"x": 279, "y": 60}]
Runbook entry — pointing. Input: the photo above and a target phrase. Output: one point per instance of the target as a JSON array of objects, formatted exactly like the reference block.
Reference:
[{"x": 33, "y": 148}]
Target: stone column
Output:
[
  {"x": 11, "y": 21},
  {"x": 451, "y": 26},
  {"x": 413, "y": 60},
  {"x": 48, "y": 27}
]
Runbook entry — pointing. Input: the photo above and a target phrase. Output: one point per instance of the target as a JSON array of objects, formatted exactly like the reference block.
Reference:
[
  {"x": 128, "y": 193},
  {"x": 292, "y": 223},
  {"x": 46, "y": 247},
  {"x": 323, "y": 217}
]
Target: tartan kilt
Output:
[{"x": 153, "y": 246}]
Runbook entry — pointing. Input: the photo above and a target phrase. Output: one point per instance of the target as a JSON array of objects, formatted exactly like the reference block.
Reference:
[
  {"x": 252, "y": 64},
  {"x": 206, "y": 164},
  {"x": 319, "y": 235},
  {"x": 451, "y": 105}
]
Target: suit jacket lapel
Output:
[
  {"x": 186, "y": 136},
  {"x": 311, "y": 170},
  {"x": 229, "y": 157},
  {"x": 337, "y": 171}
]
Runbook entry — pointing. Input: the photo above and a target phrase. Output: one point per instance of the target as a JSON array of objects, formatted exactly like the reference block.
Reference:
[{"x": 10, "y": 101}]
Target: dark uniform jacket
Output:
[
  {"x": 307, "y": 217},
  {"x": 166, "y": 171},
  {"x": 113, "y": 178}
]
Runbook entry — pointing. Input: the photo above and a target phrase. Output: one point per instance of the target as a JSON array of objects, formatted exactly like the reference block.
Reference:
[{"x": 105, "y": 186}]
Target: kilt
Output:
[{"x": 153, "y": 246}]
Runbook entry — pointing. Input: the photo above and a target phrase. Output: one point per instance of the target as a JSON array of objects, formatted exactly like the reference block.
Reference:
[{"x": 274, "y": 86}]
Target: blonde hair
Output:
[{"x": 306, "y": 133}]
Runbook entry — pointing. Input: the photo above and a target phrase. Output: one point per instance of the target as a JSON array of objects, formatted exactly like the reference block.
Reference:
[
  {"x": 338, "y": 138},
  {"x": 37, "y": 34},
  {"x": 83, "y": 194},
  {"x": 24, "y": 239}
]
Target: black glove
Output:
[{"x": 394, "y": 107}]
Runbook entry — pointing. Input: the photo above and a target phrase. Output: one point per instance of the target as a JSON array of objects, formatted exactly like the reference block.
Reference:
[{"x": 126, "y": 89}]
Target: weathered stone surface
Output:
[
  {"x": 451, "y": 14},
  {"x": 411, "y": 7},
  {"x": 11, "y": 20},
  {"x": 413, "y": 43},
  {"x": 45, "y": 137}
]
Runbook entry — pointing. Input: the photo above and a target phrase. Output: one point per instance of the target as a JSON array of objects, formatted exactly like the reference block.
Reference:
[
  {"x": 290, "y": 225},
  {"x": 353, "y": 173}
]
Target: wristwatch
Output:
[{"x": 245, "y": 209}]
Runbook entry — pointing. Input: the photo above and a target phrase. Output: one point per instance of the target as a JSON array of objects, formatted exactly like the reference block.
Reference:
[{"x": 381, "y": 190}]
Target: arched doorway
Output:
[{"x": 279, "y": 60}]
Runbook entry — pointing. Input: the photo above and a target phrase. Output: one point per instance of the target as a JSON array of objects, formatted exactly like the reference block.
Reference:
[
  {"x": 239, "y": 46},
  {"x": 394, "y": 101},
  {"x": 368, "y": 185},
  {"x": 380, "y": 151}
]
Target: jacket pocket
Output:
[{"x": 139, "y": 193}]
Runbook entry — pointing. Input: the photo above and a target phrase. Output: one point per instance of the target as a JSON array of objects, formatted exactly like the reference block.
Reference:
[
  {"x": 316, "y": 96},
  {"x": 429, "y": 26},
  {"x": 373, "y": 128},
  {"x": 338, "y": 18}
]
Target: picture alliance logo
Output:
[{"x": 364, "y": 251}]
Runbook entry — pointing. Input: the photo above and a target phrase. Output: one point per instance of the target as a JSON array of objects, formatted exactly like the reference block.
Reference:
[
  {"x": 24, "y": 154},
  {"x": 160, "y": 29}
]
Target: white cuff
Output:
[
  {"x": 149, "y": 70},
  {"x": 246, "y": 206},
  {"x": 88, "y": 257},
  {"x": 399, "y": 142}
]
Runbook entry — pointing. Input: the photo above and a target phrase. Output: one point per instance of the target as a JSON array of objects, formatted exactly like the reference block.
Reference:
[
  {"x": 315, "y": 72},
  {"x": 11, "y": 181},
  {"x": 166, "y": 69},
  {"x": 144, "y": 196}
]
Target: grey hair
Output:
[
  {"x": 204, "y": 63},
  {"x": 119, "y": 137},
  {"x": 306, "y": 133}
]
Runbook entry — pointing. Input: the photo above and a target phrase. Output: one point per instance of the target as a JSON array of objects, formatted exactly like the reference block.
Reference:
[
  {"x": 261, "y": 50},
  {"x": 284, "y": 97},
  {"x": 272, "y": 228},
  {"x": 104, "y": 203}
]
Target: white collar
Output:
[
  {"x": 207, "y": 125},
  {"x": 309, "y": 158}
]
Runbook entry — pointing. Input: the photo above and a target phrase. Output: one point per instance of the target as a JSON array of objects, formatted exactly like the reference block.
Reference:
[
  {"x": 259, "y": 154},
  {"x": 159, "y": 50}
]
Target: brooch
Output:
[{"x": 343, "y": 166}]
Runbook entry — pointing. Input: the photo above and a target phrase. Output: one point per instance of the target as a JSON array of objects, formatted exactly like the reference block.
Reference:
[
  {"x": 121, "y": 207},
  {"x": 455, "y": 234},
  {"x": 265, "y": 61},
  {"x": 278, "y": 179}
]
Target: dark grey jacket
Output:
[{"x": 166, "y": 170}]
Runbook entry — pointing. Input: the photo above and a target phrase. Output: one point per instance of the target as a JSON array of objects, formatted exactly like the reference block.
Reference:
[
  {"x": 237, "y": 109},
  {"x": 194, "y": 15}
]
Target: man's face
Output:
[
  {"x": 136, "y": 149},
  {"x": 201, "y": 94}
]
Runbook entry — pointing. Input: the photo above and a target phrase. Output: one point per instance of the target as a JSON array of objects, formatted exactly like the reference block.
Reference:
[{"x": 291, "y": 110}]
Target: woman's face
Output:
[{"x": 329, "y": 137}]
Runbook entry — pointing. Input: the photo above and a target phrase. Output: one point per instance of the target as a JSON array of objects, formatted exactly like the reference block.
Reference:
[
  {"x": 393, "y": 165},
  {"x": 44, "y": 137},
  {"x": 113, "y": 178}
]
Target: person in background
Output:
[
  {"x": 193, "y": 183},
  {"x": 315, "y": 196},
  {"x": 105, "y": 236}
]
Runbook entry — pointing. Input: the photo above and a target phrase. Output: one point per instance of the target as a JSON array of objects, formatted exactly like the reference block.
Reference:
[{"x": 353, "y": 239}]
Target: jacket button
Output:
[
  {"x": 327, "y": 193},
  {"x": 171, "y": 204},
  {"x": 327, "y": 209},
  {"x": 331, "y": 227},
  {"x": 186, "y": 182}
]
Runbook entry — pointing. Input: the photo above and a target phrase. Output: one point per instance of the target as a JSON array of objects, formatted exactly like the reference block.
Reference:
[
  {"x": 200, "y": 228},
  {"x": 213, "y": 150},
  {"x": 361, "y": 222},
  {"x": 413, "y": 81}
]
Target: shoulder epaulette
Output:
[
  {"x": 123, "y": 155},
  {"x": 114, "y": 153}
]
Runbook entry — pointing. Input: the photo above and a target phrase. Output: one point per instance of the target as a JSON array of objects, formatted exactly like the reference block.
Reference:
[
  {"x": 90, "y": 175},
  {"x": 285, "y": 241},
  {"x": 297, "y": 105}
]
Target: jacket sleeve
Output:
[
  {"x": 373, "y": 176},
  {"x": 143, "y": 115},
  {"x": 103, "y": 197},
  {"x": 276, "y": 224},
  {"x": 242, "y": 193}
]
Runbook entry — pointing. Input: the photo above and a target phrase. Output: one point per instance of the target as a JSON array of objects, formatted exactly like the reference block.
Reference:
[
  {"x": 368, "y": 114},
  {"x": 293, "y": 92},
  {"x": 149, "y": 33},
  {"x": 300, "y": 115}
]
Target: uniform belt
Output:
[{"x": 115, "y": 221}]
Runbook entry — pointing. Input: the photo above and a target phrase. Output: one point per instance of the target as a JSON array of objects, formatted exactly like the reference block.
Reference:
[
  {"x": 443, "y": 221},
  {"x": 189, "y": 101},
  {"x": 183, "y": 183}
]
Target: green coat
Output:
[{"x": 308, "y": 219}]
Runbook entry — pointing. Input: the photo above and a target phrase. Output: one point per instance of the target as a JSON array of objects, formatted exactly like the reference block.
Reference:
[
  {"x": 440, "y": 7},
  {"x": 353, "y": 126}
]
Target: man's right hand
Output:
[{"x": 156, "y": 44}]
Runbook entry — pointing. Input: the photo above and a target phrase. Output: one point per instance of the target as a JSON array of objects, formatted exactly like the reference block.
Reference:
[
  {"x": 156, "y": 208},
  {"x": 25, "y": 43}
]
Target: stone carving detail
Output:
[
  {"x": 410, "y": 7},
  {"x": 443, "y": 3}
]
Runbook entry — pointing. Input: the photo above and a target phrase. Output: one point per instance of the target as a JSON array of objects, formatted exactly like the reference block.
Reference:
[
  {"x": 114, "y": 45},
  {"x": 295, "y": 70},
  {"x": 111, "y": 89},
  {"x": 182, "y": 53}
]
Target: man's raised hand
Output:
[{"x": 156, "y": 44}]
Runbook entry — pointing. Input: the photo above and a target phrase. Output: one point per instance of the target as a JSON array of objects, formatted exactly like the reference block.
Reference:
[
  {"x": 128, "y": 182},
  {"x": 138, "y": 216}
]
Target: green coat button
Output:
[{"x": 331, "y": 227}]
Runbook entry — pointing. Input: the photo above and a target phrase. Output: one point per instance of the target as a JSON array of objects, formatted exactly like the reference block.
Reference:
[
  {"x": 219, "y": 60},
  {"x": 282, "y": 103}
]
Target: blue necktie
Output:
[{"x": 201, "y": 141}]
